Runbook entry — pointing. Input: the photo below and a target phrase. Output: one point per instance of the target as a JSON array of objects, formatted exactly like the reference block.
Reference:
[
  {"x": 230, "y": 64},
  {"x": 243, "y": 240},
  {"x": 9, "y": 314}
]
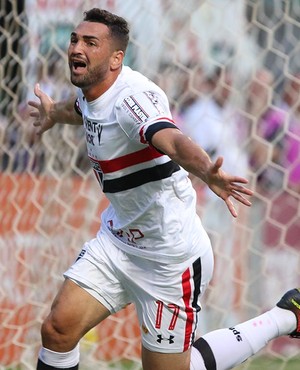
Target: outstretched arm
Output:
[
  {"x": 182, "y": 150},
  {"x": 47, "y": 112}
]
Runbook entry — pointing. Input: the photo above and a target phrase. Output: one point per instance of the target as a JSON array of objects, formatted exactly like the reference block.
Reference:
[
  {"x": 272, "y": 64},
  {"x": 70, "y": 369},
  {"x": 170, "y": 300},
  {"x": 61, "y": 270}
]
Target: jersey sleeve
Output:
[
  {"x": 79, "y": 103},
  {"x": 77, "y": 107},
  {"x": 142, "y": 114}
]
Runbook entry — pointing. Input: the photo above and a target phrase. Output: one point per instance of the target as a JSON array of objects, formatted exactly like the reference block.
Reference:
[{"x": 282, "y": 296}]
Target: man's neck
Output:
[{"x": 94, "y": 92}]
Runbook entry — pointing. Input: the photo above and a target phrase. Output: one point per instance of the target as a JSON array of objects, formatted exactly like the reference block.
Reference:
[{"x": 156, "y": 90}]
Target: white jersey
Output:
[{"x": 152, "y": 211}]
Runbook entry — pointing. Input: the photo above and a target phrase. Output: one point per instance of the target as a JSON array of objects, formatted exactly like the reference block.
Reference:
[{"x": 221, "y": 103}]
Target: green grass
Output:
[{"x": 270, "y": 363}]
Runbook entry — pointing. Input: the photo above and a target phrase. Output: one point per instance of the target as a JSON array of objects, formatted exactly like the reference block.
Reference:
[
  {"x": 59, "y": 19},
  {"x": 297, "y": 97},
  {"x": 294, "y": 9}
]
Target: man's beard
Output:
[{"x": 92, "y": 77}]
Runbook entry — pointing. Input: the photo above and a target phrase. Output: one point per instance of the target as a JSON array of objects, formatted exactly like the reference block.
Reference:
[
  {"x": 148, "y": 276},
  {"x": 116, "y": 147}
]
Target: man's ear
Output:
[{"x": 116, "y": 59}]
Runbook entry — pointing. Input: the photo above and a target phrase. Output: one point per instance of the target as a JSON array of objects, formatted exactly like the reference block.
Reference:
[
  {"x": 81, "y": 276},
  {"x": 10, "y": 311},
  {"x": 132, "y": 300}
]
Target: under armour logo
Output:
[{"x": 170, "y": 339}]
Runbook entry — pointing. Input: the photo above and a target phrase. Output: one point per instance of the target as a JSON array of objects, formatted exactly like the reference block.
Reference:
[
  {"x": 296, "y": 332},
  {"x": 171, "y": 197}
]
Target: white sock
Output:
[
  {"x": 285, "y": 320},
  {"x": 226, "y": 348},
  {"x": 60, "y": 359},
  {"x": 197, "y": 362},
  {"x": 221, "y": 349}
]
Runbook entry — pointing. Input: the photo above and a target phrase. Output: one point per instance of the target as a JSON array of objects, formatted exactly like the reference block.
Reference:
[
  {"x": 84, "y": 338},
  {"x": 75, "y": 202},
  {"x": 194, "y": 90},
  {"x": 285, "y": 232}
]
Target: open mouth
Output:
[{"x": 78, "y": 66}]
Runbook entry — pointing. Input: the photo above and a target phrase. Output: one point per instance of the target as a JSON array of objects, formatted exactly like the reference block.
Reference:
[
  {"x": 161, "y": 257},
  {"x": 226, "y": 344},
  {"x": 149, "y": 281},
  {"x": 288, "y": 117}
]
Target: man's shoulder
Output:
[{"x": 134, "y": 81}]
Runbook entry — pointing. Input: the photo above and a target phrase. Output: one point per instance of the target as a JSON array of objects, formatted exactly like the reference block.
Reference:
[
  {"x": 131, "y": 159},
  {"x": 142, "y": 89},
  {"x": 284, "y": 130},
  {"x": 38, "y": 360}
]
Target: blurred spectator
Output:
[
  {"x": 275, "y": 147},
  {"x": 182, "y": 84},
  {"x": 4, "y": 157},
  {"x": 52, "y": 75},
  {"x": 211, "y": 121},
  {"x": 266, "y": 127},
  {"x": 21, "y": 151},
  {"x": 291, "y": 105},
  {"x": 256, "y": 116},
  {"x": 53, "y": 79}
]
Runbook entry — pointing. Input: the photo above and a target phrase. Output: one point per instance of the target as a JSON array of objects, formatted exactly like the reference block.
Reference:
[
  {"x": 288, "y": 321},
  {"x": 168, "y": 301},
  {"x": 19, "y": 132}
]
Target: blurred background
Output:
[{"x": 231, "y": 70}]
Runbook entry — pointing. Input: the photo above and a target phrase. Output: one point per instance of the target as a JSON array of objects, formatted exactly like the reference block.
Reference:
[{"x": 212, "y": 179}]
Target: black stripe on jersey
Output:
[
  {"x": 141, "y": 177},
  {"x": 151, "y": 130}
]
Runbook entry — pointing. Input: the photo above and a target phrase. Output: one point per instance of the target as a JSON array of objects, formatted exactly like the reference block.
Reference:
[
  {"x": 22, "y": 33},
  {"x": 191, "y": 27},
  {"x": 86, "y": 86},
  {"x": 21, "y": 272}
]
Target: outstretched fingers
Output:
[
  {"x": 238, "y": 191},
  {"x": 227, "y": 186},
  {"x": 241, "y": 198},
  {"x": 41, "y": 112},
  {"x": 241, "y": 189},
  {"x": 231, "y": 207},
  {"x": 37, "y": 91},
  {"x": 35, "y": 113},
  {"x": 217, "y": 165},
  {"x": 34, "y": 104}
]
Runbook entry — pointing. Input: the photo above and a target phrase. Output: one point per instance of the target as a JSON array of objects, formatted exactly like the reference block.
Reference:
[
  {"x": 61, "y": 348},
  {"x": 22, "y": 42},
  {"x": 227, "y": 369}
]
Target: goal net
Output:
[{"x": 232, "y": 72}]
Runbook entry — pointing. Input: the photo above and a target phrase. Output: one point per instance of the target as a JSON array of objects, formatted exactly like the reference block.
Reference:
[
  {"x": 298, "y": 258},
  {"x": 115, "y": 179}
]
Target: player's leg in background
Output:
[
  {"x": 226, "y": 348},
  {"x": 74, "y": 312}
]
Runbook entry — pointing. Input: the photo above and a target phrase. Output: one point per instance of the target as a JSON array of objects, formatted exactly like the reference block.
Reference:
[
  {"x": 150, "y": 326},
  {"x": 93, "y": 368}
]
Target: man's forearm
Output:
[
  {"x": 64, "y": 112},
  {"x": 193, "y": 158},
  {"x": 182, "y": 150}
]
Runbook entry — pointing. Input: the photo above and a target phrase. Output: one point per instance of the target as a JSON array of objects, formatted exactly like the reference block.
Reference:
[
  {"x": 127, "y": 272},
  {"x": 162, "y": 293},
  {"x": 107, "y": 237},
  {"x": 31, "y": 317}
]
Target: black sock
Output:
[{"x": 42, "y": 366}]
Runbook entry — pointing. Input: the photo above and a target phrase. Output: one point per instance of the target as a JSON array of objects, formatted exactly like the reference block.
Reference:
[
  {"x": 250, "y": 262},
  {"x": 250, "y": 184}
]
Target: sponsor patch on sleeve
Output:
[{"x": 134, "y": 109}]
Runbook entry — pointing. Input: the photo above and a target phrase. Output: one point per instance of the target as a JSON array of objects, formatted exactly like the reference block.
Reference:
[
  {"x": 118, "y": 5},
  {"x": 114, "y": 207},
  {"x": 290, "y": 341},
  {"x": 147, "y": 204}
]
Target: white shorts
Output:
[{"x": 166, "y": 296}]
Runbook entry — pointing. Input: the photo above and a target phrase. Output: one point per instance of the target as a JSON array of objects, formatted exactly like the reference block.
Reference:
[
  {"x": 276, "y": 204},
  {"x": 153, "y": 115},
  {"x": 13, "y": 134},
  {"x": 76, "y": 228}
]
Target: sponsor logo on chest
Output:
[{"x": 93, "y": 131}]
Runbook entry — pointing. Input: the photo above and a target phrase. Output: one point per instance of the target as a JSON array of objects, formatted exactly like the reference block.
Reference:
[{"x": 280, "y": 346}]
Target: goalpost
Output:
[{"x": 50, "y": 202}]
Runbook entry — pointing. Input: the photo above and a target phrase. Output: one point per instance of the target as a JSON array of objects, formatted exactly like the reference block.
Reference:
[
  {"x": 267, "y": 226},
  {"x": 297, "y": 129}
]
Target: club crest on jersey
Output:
[
  {"x": 155, "y": 101},
  {"x": 135, "y": 109},
  {"x": 97, "y": 170}
]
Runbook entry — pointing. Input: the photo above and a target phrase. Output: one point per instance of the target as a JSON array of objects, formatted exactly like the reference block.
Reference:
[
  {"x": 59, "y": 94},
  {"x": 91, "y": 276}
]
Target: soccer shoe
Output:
[{"x": 291, "y": 301}]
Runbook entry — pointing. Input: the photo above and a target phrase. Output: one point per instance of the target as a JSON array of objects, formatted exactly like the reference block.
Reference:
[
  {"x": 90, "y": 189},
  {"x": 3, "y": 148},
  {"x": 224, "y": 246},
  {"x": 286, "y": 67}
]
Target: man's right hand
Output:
[{"x": 43, "y": 120}]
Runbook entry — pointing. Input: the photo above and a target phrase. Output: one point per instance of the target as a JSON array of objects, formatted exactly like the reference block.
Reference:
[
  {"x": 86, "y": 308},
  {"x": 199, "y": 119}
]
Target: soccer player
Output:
[{"x": 151, "y": 248}]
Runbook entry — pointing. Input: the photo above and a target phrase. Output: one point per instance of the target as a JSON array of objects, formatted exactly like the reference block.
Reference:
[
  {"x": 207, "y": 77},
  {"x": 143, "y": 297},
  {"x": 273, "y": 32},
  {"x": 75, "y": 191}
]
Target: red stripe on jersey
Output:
[
  {"x": 142, "y": 136},
  {"x": 187, "y": 293},
  {"x": 128, "y": 160},
  {"x": 163, "y": 119}
]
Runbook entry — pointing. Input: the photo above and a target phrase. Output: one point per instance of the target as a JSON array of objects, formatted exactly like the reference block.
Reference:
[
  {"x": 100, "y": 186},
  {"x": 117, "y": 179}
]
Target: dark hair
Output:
[{"x": 118, "y": 26}]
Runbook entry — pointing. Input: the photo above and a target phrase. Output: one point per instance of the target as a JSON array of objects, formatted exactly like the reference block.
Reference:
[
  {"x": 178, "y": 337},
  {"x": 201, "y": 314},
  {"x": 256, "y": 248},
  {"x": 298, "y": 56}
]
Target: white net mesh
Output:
[{"x": 242, "y": 55}]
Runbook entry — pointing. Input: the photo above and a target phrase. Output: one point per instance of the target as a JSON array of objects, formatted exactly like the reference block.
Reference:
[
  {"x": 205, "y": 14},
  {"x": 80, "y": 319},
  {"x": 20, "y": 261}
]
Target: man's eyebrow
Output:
[{"x": 85, "y": 37}]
